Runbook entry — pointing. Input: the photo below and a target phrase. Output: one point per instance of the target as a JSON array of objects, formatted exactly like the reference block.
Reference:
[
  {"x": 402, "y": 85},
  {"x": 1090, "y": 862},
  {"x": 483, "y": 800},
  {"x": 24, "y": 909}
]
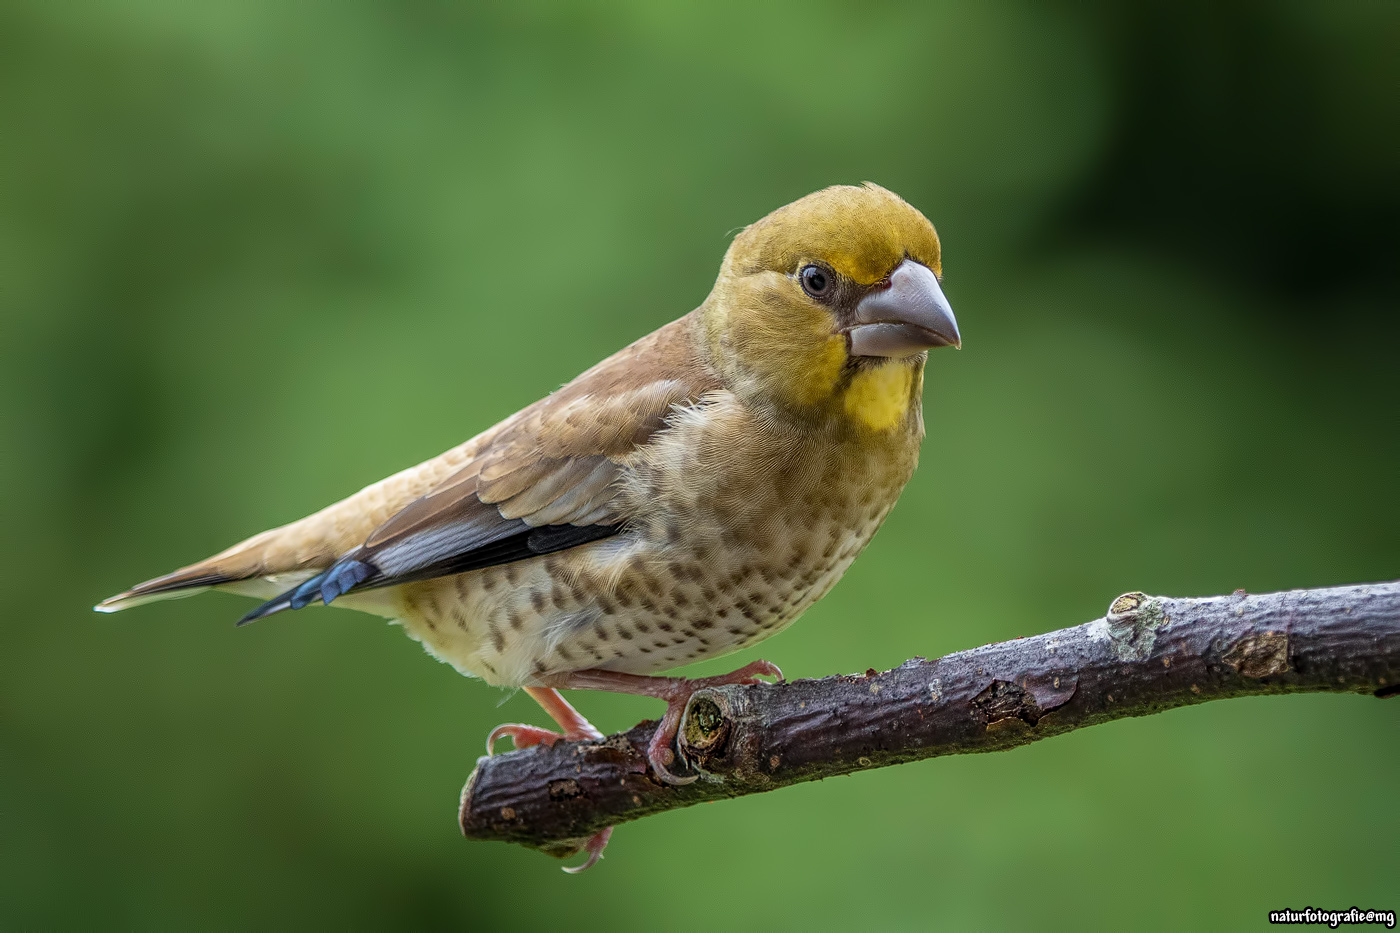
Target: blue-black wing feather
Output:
[{"x": 352, "y": 573}]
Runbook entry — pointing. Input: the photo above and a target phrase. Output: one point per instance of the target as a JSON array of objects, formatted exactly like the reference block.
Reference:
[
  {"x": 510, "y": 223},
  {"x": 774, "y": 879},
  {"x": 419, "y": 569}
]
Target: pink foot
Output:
[
  {"x": 522, "y": 735},
  {"x": 676, "y": 691},
  {"x": 677, "y": 697},
  {"x": 575, "y": 726},
  {"x": 594, "y": 847}
]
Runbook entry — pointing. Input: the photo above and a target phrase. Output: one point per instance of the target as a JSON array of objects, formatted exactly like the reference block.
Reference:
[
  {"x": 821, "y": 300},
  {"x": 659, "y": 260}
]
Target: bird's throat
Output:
[{"x": 879, "y": 397}]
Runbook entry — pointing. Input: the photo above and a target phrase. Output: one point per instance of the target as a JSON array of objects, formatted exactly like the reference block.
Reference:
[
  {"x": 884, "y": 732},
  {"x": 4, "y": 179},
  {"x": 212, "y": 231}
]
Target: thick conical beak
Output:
[{"x": 907, "y": 317}]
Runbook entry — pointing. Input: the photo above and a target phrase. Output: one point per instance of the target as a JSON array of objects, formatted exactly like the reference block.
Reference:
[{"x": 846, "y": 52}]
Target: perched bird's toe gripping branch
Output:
[{"x": 677, "y": 692}]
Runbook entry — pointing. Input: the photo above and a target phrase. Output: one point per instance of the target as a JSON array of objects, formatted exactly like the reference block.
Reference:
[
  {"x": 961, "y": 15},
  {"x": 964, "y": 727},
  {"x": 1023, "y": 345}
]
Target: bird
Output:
[{"x": 688, "y": 496}]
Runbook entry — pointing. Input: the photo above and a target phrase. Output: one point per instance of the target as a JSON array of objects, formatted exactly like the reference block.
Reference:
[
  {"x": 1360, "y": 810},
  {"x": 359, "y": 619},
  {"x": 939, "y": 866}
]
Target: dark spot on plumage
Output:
[
  {"x": 539, "y": 667},
  {"x": 488, "y": 666},
  {"x": 735, "y": 630},
  {"x": 564, "y": 653},
  {"x": 643, "y": 627},
  {"x": 644, "y": 650},
  {"x": 672, "y": 612},
  {"x": 665, "y": 626},
  {"x": 649, "y": 604},
  {"x": 601, "y": 632},
  {"x": 708, "y": 593},
  {"x": 606, "y": 604},
  {"x": 514, "y": 618},
  {"x": 722, "y": 613},
  {"x": 512, "y": 574},
  {"x": 498, "y": 641},
  {"x": 701, "y": 624},
  {"x": 658, "y": 644},
  {"x": 624, "y": 633}
]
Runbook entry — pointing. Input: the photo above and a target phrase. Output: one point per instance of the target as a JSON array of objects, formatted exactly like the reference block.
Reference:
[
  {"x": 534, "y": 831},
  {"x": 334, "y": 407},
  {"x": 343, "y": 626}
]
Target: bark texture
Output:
[{"x": 1148, "y": 654}]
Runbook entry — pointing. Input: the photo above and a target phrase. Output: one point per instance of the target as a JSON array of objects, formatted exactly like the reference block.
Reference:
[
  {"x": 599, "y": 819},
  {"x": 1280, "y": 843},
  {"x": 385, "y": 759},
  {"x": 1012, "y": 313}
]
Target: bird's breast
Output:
[{"x": 736, "y": 527}]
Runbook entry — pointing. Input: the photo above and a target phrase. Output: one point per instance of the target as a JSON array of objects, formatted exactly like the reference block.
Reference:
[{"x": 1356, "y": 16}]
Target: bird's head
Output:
[{"x": 826, "y": 308}]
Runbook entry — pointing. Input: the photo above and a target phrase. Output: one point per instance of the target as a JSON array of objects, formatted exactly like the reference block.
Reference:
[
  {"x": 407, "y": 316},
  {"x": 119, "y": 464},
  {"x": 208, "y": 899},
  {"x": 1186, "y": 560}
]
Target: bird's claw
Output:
[
  {"x": 659, "y": 756},
  {"x": 752, "y": 672},
  {"x": 522, "y": 735},
  {"x": 594, "y": 847}
]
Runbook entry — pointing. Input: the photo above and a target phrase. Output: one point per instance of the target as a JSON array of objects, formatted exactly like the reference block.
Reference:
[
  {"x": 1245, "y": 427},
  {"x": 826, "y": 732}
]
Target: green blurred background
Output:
[{"x": 254, "y": 255}]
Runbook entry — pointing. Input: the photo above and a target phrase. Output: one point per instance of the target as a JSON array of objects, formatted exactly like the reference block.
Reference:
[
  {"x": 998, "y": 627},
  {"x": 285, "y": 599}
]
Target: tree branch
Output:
[{"x": 1147, "y": 655}]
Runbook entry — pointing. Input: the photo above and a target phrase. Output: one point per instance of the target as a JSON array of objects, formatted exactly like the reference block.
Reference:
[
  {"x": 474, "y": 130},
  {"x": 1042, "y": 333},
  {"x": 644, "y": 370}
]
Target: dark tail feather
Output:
[{"x": 183, "y": 582}]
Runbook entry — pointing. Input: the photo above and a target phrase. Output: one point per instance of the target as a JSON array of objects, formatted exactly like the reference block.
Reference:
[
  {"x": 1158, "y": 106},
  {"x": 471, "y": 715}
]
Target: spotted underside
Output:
[{"x": 715, "y": 558}]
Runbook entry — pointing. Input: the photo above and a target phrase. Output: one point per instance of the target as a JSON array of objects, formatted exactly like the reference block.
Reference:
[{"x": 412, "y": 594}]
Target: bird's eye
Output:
[{"x": 816, "y": 281}]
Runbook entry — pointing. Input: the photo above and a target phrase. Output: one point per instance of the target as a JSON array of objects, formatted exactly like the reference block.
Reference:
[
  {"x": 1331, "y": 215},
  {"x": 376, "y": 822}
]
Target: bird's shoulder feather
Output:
[{"x": 543, "y": 480}]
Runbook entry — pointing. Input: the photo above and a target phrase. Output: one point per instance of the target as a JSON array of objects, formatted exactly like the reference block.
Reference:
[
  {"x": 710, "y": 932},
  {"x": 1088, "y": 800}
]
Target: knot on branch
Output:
[
  {"x": 1133, "y": 620},
  {"x": 1004, "y": 702},
  {"x": 703, "y": 735},
  {"x": 1259, "y": 656}
]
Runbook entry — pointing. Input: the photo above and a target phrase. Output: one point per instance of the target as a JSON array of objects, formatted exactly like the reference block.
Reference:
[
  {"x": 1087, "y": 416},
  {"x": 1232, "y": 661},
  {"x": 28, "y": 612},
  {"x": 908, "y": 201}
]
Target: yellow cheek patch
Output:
[
  {"x": 879, "y": 398},
  {"x": 821, "y": 372}
]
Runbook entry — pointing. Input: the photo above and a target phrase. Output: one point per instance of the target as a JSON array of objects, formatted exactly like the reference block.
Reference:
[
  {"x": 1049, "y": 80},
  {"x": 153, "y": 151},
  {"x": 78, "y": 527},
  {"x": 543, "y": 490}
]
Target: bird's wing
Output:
[{"x": 545, "y": 481}]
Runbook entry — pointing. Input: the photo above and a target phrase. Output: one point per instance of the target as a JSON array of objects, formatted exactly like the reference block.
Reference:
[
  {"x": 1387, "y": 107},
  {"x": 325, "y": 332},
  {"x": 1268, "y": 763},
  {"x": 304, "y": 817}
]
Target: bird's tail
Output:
[
  {"x": 186, "y": 581},
  {"x": 255, "y": 567}
]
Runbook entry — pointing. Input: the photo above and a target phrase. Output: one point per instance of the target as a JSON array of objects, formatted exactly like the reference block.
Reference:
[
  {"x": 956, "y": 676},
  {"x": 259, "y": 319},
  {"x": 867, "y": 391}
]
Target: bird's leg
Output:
[
  {"x": 676, "y": 691},
  {"x": 575, "y": 727},
  {"x": 569, "y": 719}
]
